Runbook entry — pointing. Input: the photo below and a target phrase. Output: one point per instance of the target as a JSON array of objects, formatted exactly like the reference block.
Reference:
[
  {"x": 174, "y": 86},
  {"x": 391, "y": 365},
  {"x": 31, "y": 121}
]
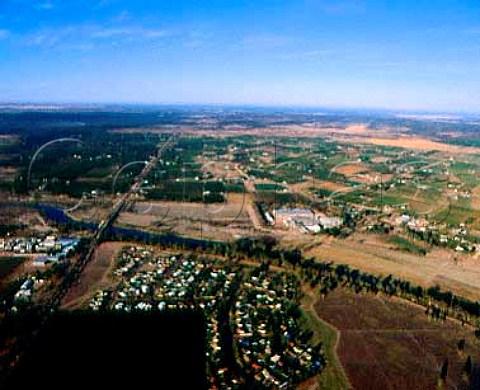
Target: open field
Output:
[
  {"x": 327, "y": 185},
  {"x": 215, "y": 212},
  {"x": 475, "y": 201},
  {"x": 356, "y": 134},
  {"x": 356, "y": 129},
  {"x": 218, "y": 220},
  {"x": 23, "y": 220},
  {"x": 95, "y": 276},
  {"x": 457, "y": 272},
  {"x": 350, "y": 169},
  {"x": 390, "y": 344},
  {"x": 460, "y": 211},
  {"x": 416, "y": 143}
]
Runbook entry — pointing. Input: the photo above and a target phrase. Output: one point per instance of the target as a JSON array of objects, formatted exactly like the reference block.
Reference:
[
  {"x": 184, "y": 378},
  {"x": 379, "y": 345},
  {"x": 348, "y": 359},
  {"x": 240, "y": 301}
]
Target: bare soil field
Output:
[
  {"x": 358, "y": 133},
  {"x": 475, "y": 200},
  {"x": 231, "y": 212},
  {"x": 95, "y": 276},
  {"x": 321, "y": 184},
  {"x": 210, "y": 221},
  {"x": 30, "y": 220},
  {"x": 356, "y": 129},
  {"x": 456, "y": 272},
  {"x": 413, "y": 142},
  {"x": 11, "y": 214},
  {"x": 350, "y": 169},
  {"x": 386, "y": 343},
  {"x": 90, "y": 214}
]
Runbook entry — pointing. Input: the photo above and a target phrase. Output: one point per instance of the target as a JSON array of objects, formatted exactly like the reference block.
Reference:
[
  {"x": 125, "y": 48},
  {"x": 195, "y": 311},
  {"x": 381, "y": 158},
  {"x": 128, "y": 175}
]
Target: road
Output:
[
  {"x": 73, "y": 275},
  {"x": 249, "y": 184},
  {"x": 105, "y": 224}
]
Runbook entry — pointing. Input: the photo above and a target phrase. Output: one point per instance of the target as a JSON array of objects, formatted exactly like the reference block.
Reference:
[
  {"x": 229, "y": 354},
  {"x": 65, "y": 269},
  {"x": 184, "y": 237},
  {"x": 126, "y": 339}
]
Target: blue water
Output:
[{"x": 58, "y": 215}]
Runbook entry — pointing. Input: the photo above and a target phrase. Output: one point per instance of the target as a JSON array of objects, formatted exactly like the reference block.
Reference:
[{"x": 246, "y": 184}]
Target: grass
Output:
[
  {"x": 335, "y": 160},
  {"x": 405, "y": 244},
  {"x": 237, "y": 188},
  {"x": 461, "y": 167},
  {"x": 355, "y": 196},
  {"x": 463, "y": 142},
  {"x": 333, "y": 376},
  {"x": 320, "y": 192},
  {"x": 387, "y": 200},
  {"x": 466, "y": 172},
  {"x": 100, "y": 172},
  {"x": 459, "y": 212},
  {"x": 268, "y": 187}
]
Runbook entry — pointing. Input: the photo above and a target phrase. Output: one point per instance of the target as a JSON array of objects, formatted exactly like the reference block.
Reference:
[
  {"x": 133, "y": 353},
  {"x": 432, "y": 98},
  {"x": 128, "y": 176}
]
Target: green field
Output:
[
  {"x": 269, "y": 187},
  {"x": 407, "y": 245},
  {"x": 333, "y": 376}
]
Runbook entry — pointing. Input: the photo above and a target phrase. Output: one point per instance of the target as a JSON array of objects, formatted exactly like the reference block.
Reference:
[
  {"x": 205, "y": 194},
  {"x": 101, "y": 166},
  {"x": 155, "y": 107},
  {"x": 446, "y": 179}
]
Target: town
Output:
[
  {"x": 52, "y": 248},
  {"x": 273, "y": 349}
]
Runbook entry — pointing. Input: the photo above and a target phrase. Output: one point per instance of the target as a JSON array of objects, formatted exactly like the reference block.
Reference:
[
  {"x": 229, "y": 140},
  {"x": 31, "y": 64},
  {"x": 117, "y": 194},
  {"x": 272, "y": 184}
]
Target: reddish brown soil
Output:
[
  {"x": 95, "y": 275},
  {"x": 389, "y": 344}
]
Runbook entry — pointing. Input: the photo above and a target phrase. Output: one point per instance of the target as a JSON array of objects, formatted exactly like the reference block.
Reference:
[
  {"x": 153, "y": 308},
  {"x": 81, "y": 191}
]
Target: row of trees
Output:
[{"x": 327, "y": 276}]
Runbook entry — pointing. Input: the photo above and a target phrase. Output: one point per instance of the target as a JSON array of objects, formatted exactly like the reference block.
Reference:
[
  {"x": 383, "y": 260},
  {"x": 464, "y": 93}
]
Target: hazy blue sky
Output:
[{"x": 421, "y": 54}]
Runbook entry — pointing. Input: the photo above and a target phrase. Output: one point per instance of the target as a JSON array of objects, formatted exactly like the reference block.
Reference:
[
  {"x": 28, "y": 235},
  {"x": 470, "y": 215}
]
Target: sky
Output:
[{"x": 409, "y": 55}]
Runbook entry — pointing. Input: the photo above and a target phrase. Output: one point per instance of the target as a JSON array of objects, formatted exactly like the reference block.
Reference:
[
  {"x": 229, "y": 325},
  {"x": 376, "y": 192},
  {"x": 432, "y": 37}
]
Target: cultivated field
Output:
[{"x": 389, "y": 344}]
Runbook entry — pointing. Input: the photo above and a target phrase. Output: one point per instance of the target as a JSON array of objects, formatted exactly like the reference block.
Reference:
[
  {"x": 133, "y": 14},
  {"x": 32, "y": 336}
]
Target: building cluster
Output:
[
  {"x": 455, "y": 238},
  {"x": 267, "y": 333},
  {"x": 303, "y": 219},
  {"x": 26, "y": 290},
  {"x": 158, "y": 281},
  {"x": 152, "y": 281},
  {"x": 53, "y": 248}
]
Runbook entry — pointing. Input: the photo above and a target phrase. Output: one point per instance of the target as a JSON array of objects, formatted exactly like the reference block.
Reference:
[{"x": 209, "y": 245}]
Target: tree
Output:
[
  {"x": 477, "y": 333},
  {"x": 444, "y": 370},
  {"x": 467, "y": 368},
  {"x": 461, "y": 345},
  {"x": 294, "y": 311}
]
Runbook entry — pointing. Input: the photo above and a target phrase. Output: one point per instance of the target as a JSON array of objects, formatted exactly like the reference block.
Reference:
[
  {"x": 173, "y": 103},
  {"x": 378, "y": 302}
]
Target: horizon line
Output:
[{"x": 67, "y": 103}]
